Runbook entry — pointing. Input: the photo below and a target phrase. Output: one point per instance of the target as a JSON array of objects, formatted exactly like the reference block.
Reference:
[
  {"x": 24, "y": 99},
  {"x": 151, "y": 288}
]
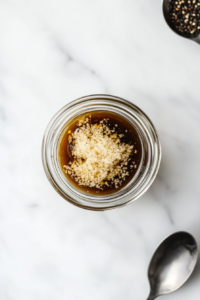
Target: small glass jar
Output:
[{"x": 147, "y": 170}]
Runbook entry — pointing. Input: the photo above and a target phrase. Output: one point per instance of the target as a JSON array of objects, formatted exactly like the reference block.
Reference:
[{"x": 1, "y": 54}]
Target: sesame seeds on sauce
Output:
[
  {"x": 185, "y": 16},
  {"x": 100, "y": 153}
]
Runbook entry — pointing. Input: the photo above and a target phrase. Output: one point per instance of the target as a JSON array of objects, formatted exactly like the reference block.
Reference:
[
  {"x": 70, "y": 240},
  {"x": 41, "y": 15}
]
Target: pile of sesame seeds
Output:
[
  {"x": 100, "y": 159},
  {"x": 185, "y": 16}
]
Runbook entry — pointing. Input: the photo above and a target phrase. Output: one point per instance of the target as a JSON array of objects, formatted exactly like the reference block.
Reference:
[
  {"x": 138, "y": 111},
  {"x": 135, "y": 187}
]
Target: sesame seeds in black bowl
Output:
[{"x": 183, "y": 17}]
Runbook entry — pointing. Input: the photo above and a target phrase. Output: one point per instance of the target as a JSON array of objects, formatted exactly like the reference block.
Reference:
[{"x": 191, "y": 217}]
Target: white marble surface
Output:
[{"x": 52, "y": 52}]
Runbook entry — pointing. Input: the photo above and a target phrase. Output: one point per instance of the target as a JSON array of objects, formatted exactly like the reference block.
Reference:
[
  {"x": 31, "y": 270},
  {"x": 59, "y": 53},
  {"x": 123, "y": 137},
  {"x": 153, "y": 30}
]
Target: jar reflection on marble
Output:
[{"x": 146, "y": 172}]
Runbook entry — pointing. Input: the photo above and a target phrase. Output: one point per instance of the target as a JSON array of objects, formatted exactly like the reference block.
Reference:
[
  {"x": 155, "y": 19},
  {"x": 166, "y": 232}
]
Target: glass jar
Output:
[{"x": 147, "y": 170}]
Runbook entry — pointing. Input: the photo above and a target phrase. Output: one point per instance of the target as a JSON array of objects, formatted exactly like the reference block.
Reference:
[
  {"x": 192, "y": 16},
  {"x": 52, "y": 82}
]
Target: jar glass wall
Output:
[{"x": 146, "y": 172}]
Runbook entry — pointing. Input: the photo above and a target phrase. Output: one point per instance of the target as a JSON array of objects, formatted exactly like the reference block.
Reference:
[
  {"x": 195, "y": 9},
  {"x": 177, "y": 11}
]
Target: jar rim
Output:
[{"x": 118, "y": 105}]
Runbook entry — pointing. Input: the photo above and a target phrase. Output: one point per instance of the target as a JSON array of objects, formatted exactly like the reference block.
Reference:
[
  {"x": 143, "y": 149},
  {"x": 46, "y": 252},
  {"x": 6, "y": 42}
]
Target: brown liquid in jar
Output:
[{"x": 123, "y": 127}]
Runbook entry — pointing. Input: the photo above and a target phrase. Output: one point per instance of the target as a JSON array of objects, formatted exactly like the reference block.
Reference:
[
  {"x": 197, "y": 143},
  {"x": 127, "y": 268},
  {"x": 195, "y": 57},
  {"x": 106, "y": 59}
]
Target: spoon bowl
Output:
[
  {"x": 172, "y": 264},
  {"x": 170, "y": 24}
]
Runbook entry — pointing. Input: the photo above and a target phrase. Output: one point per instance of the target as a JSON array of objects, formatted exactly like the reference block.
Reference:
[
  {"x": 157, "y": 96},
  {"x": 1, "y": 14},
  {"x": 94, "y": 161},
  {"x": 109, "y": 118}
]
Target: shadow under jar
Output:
[{"x": 128, "y": 122}]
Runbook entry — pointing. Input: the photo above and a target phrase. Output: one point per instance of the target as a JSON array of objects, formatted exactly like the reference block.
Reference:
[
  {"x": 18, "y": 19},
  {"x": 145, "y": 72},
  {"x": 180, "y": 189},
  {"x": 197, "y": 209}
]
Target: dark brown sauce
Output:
[{"x": 123, "y": 127}]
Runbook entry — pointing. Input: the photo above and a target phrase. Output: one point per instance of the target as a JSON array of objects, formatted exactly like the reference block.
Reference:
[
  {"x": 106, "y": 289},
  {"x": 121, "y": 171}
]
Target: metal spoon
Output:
[
  {"x": 168, "y": 21},
  {"x": 172, "y": 264}
]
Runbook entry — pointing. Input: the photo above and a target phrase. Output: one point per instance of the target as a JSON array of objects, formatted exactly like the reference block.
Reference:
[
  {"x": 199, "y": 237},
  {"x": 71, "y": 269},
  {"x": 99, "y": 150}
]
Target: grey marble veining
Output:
[{"x": 52, "y": 52}]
